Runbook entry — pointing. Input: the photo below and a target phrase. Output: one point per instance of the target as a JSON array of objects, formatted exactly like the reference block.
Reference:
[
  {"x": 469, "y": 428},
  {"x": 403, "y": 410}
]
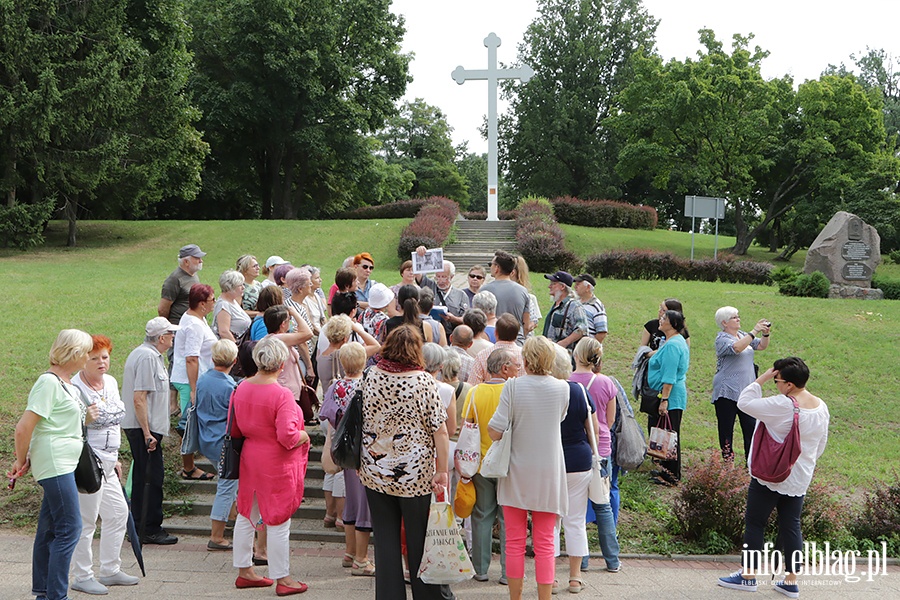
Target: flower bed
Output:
[{"x": 431, "y": 227}]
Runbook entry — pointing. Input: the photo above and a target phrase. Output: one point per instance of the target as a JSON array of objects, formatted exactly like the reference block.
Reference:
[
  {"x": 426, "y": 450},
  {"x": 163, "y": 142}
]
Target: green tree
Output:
[
  {"x": 289, "y": 89},
  {"x": 418, "y": 140},
  {"x": 473, "y": 168},
  {"x": 554, "y": 140}
]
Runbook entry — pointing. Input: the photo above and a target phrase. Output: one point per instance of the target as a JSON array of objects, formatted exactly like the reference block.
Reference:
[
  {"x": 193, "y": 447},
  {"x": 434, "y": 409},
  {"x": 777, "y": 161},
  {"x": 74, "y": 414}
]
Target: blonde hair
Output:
[
  {"x": 224, "y": 352},
  {"x": 520, "y": 274},
  {"x": 562, "y": 363},
  {"x": 338, "y": 328},
  {"x": 538, "y": 355},
  {"x": 269, "y": 354},
  {"x": 588, "y": 352},
  {"x": 353, "y": 358},
  {"x": 230, "y": 280},
  {"x": 70, "y": 344}
]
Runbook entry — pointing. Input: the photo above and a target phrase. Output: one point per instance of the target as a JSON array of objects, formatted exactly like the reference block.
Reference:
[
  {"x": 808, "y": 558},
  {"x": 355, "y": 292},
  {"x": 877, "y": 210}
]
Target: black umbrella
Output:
[{"x": 134, "y": 536}]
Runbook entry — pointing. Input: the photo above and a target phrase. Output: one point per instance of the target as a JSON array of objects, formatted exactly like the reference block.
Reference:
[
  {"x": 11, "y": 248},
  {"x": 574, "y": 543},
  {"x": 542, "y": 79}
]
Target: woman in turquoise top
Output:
[
  {"x": 48, "y": 441},
  {"x": 666, "y": 371}
]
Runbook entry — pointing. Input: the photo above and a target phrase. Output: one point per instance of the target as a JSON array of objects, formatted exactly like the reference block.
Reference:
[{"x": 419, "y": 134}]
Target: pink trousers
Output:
[{"x": 542, "y": 524}]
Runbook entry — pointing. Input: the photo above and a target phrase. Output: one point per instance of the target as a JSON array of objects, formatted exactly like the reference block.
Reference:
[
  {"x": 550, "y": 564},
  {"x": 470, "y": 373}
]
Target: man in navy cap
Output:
[
  {"x": 566, "y": 323},
  {"x": 593, "y": 308}
]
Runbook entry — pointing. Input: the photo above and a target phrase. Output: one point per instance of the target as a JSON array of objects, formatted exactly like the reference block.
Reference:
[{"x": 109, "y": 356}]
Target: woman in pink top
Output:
[{"x": 273, "y": 465}]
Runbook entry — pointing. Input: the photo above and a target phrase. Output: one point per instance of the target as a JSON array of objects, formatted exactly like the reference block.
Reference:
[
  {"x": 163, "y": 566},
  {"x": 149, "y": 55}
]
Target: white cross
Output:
[{"x": 492, "y": 74}]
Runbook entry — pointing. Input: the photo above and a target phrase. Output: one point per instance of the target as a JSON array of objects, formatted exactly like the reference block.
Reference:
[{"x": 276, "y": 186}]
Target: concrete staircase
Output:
[
  {"x": 476, "y": 242},
  {"x": 190, "y": 516}
]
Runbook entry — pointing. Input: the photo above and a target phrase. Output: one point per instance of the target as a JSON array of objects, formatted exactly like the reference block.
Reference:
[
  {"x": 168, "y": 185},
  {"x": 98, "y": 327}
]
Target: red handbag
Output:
[{"x": 772, "y": 461}]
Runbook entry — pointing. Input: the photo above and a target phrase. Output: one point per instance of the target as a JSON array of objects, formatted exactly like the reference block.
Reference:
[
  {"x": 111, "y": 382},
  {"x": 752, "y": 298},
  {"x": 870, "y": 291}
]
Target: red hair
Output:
[
  {"x": 101, "y": 342},
  {"x": 363, "y": 256},
  {"x": 200, "y": 292}
]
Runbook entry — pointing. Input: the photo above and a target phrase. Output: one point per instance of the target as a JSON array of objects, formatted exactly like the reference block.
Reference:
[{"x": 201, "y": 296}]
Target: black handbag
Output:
[
  {"x": 89, "y": 471},
  {"x": 346, "y": 445},
  {"x": 230, "y": 457}
]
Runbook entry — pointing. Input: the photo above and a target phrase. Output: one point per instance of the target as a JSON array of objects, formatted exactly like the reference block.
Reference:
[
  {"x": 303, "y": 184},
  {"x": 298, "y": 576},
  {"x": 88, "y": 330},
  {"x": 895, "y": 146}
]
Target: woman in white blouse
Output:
[
  {"x": 537, "y": 470},
  {"x": 777, "y": 412}
]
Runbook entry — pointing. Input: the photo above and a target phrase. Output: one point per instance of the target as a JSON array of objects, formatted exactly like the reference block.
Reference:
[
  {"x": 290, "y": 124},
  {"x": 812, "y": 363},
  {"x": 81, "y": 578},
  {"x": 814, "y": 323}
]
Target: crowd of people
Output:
[{"x": 280, "y": 356}]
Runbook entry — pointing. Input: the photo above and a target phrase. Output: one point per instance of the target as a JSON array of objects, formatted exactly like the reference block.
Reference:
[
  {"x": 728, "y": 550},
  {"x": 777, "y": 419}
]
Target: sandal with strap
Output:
[
  {"x": 347, "y": 561},
  {"x": 576, "y": 585},
  {"x": 204, "y": 476},
  {"x": 364, "y": 569}
]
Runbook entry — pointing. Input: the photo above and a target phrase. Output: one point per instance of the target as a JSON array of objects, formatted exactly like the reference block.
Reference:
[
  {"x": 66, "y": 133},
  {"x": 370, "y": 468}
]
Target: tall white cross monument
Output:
[{"x": 493, "y": 75}]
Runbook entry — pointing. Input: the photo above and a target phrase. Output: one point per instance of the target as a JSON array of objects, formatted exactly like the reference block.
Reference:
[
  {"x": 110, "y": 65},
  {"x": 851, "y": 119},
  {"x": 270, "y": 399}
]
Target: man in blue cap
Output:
[{"x": 566, "y": 323}]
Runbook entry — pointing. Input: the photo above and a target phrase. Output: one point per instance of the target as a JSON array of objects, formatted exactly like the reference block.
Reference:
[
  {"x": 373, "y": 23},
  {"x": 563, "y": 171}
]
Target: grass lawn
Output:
[{"x": 111, "y": 282}]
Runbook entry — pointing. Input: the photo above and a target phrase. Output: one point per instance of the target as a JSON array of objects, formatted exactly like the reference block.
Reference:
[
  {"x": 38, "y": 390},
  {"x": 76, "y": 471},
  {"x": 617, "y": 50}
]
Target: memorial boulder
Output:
[{"x": 847, "y": 251}]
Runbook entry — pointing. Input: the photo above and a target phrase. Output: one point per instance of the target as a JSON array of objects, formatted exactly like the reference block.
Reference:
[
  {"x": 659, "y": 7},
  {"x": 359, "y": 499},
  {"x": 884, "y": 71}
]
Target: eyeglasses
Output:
[
  {"x": 368, "y": 267},
  {"x": 779, "y": 381},
  {"x": 474, "y": 276}
]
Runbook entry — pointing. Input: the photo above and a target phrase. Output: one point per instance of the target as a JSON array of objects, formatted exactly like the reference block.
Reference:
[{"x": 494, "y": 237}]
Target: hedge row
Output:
[
  {"x": 503, "y": 215},
  {"x": 539, "y": 238},
  {"x": 431, "y": 227},
  {"x": 402, "y": 209},
  {"x": 604, "y": 213},
  {"x": 645, "y": 264},
  {"x": 890, "y": 287}
]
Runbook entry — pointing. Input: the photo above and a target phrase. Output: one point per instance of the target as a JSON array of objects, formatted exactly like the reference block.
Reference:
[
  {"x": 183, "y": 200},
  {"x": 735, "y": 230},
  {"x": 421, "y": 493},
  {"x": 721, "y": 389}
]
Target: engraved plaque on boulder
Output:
[
  {"x": 856, "y": 250},
  {"x": 856, "y": 271},
  {"x": 847, "y": 251}
]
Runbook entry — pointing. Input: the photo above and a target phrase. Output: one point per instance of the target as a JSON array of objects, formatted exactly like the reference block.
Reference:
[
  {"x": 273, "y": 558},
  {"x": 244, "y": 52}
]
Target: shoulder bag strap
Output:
[
  {"x": 591, "y": 382},
  {"x": 230, "y": 413},
  {"x": 589, "y": 422}
]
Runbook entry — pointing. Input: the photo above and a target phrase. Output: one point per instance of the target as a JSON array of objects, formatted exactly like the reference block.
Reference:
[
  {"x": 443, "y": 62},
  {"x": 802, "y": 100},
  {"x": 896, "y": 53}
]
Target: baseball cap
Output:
[
  {"x": 380, "y": 295},
  {"x": 160, "y": 325},
  {"x": 588, "y": 278},
  {"x": 561, "y": 277},
  {"x": 274, "y": 261},
  {"x": 191, "y": 250}
]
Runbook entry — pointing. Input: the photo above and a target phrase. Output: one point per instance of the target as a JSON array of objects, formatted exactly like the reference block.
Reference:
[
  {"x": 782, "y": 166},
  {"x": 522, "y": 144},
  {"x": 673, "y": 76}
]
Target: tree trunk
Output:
[
  {"x": 742, "y": 239},
  {"x": 287, "y": 186},
  {"x": 265, "y": 190},
  {"x": 70, "y": 210}
]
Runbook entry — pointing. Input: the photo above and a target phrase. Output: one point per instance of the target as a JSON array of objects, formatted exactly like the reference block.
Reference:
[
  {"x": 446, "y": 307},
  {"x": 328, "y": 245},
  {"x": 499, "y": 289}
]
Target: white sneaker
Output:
[
  {"x": 120, "y": 578},
  {"x": 90, "y": 586}
]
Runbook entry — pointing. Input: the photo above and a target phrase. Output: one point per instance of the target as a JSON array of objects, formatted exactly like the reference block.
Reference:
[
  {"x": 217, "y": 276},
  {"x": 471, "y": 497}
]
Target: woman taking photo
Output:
[
  {"x": 667, "y": 371},
  {"x": 48, "y": 441},
  {"x": 405, "y": 458},
  {"x": 105, "y": 436},
  {"x": 273, "y": 466},
  {"x": 777, "y": 412},
  {"x": 229, "y": 319},
  {"x": 734, "y": 371},
  {"x": 537, "y": 469}
]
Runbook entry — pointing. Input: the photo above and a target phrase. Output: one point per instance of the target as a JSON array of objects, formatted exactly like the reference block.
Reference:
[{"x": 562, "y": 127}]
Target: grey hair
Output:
[
  {"x": 434, "y": 357},
  {"x": 486, "y": 301},
  {"x": 497, "y": 359},
  {"x": 297, "y": 278},
  {"x": 447, "y": 263},
  {"x": 562, "y": 365},
  {"x": 230, "y": 280},
  {"x": 270, "y": 354},
  {"x": 724, "y": 314},
  {"x": 452, "y": 365},
  {"x": 152, "y": 339}
]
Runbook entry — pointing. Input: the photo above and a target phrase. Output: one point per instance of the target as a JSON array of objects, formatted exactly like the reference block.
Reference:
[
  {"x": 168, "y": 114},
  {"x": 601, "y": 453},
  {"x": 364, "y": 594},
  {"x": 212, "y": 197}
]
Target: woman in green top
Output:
[{"x": 48, "y": 441}]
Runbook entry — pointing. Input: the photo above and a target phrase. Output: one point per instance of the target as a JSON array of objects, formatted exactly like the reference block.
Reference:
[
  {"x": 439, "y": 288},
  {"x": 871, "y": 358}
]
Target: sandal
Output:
[
  {"x": 555, "y": 588},
  {"x": 339, "y": 524},
  {"x": 347, "y": 561},
  {"x": 365, "y": 569},
  {"x": 576, "y": 585},
  {"x": 329, "y": 522},
  {"x": 204, "y": 476}
]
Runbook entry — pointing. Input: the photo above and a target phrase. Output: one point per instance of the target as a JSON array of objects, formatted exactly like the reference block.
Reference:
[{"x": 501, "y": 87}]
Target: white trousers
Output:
[
  {"x": 573, "y": 521},
  {"x": 109, "y": 504},
  {"x": 278, "y": 544}
]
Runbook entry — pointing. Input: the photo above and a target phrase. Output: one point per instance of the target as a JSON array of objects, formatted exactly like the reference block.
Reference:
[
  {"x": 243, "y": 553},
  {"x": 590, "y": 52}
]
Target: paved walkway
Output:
[{"x": 187, "y": 570}]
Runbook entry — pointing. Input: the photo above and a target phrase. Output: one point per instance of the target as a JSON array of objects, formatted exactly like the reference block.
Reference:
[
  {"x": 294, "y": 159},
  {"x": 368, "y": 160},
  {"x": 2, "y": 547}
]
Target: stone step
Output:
[
  {"x": 492, "y": 225},
  {"x": 312, "y": 488},
  {"x": 311, "y": 508},
  {"x": 310, "y": 530}
]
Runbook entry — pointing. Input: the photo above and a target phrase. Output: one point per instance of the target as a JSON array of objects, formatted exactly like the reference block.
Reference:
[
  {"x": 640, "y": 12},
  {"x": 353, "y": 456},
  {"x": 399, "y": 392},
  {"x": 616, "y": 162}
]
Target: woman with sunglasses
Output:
[{"x": 475, "y": 279}]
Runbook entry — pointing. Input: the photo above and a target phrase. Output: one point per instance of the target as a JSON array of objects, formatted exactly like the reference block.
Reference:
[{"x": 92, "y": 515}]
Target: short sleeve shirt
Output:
[
  {"x": 195, "y": 338},
  {"x": 564, "y": 319},
  {"x": 145, "y": 371},
  {"x": 596, "y": 316},
  {"x": 56, "y": 440},
  {"x": 512, "y": 298},
  {"x": 177, "y": 288}
]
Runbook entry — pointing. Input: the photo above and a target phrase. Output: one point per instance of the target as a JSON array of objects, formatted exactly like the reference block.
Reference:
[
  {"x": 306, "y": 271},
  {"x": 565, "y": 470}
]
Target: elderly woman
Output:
[
  {"x": 777, "y": 412},
  {"x": 315, "y": 303},
  {"x": 339, "y": 330},
  {"x": 474, "y": 281},
  {"x": 248, "y": 266},
  {"x": 536, "y": 481},
  {"x": 487, "y": 302},
  {"x": 273, "y": 466},
  {"x": 105, "y": 436},
  {"x": 214, "y": 390},
  {"x": 405, "y": 458},
  {"x": 435, "y": 357},
  {"x": 667, "y": 371},
  {"x": 278, "y": 275},
  {"x": 450, "y": 375},
  {"x": 192, "y": 358},
  {"x": 602, "y": 391},
  {"x": 299, "y": 283},
  {"x": 48, "y": 441},
  {"x": 520, "y": 276},
  {"x": 229, "y": 319},
  {"x": 735, "y": 371}
]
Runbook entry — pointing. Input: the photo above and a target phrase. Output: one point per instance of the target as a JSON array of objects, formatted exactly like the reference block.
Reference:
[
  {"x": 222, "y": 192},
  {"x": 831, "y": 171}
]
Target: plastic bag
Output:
[
  {"x": 467, "y": 456},
  {"x": 445, "y": 560}
]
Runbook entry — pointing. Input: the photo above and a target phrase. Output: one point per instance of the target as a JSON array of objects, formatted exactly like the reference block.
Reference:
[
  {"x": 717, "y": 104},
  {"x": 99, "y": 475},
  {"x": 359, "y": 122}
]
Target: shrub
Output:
[
  {"x": 823, "y": 517},
  {"x": 539, "y": 238},
  {"x": 894, "y": 255},
  {"x": 880, "y": 515},
  {"x": 402, "y": 209},
  {"x": 711, "y": 500},
  {"x": 22, "y": 225},
  {"x": 503, "y": 215},
  {"x": 784, "y": 274},
  {"x": 646, "y": 264},
  {"x": 604, "y": 213},
  {"x": 432, "y": 226},
  {"x": 810, "y": 285},
  {"x": 891, "y": 288}
]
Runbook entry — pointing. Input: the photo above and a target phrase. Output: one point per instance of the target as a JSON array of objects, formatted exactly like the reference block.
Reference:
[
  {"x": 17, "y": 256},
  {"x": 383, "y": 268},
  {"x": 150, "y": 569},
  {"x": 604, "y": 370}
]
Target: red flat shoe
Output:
[
  {"x": 243, "y": 582},
  {"x": 286, "y": 590}
]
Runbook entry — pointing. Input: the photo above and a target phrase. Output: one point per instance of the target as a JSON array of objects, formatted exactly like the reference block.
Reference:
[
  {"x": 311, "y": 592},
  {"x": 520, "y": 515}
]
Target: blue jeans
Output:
[
  {"x": 606, "y": 521},
  {"x": 226, "y": 492},
  {"x": 58, "y": 530}
]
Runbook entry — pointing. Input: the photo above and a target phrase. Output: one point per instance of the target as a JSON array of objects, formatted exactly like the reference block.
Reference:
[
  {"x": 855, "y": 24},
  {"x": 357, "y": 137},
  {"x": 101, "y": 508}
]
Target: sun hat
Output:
[{"x": 380, "y": 296}]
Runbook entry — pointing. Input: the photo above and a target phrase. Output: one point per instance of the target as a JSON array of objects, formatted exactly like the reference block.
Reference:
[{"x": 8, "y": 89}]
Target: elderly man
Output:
[
  {"x": 453, "y": 299},
  {"x": 485, "y": 397},
  {"x": 145, "y": 390},
  {"x": 507, "y": 329},
  {"x": 566, "y": 322},
  {"x": 460, "y": 341},
  {"x": 511, "y": 297},
  {"x": 593, "y": 308}
]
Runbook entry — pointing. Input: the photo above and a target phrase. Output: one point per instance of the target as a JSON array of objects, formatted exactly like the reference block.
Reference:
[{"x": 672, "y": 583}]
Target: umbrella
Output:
[{"x": 134, "y": 536}]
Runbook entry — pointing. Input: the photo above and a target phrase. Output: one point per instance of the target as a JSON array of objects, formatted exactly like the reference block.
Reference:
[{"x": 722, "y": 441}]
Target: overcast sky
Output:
[{"x": 802, "y": 36}]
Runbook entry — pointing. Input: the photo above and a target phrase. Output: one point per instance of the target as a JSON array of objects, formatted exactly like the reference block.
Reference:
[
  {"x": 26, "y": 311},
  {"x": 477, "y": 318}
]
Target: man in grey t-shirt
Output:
[
  {"x": 511, "y": 297},
  {"x": 145, "y": 393},
  {"x": 173, "y": 301}
]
